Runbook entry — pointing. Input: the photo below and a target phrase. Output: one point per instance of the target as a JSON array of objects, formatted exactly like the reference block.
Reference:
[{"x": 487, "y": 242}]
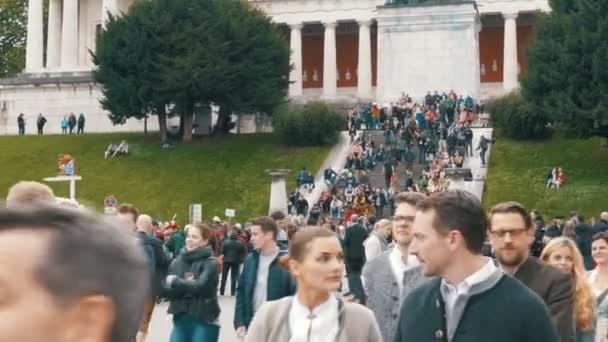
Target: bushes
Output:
[
  {"x": 516, "y": 118},
  {"x": 312, "y": 124}
]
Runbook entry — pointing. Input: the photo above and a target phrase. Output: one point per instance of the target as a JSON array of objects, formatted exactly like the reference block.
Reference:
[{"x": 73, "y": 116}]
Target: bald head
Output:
[
  {"x": 144, "y": 223},
  {"x": 29, "y": 193}
]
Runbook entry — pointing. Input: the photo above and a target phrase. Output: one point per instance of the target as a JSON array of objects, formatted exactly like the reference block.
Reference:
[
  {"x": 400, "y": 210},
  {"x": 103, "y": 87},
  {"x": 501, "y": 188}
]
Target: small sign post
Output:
[
  {"x": 196, "y": 213},
  {"x": 230, "y": 213}
]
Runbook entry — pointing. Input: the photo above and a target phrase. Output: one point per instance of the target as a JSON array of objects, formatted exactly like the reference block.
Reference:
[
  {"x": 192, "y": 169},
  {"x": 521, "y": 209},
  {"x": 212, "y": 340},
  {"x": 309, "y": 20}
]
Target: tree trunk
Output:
[
  {"x": 187, "y": 119},
  {"x": 162, "y": 123},
  {"x": 224, "y": 120},
  {"x": 146, "y": 125}
]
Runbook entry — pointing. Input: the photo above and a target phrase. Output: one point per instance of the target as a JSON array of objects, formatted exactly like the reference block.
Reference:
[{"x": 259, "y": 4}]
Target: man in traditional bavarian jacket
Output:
[{"x": 471, "y": 300}]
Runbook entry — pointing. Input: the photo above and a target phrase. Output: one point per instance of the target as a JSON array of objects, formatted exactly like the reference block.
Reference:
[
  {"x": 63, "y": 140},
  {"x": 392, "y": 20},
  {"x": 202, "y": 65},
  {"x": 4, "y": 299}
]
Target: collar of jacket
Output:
[{"x": 199, "y": 253}]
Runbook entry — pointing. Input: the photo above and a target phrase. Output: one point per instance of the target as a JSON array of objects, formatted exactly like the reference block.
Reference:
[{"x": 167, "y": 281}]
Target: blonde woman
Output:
[
  {"x": 598, "y": 278},
  {"x": 563, "y": 253}
]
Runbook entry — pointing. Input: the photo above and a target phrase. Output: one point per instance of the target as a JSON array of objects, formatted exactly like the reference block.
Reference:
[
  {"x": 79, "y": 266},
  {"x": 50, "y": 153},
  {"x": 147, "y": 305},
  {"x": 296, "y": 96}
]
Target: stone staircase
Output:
[{"x": 376, "y": 175}]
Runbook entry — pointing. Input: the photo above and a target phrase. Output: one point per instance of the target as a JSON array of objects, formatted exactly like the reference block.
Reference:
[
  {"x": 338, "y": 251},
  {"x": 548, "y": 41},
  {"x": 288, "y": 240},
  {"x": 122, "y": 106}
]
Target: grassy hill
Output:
[
  {"x": 220, "y": 173},
  {"x": 518, "y": 170}
]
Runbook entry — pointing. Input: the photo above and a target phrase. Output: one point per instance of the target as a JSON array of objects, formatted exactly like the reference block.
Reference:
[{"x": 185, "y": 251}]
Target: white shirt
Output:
[
  {"x": 450, "y": 292},
  {"x": 398, "y": 267},
  {"x": 320, "y": 325},
  {"x": 261, "y": 286}
]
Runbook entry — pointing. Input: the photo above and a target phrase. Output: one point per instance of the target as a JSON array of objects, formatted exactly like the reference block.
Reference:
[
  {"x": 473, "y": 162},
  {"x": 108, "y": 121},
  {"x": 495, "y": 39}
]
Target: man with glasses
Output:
[
  {"x": 390, "y": 276},
  {"x": 511, "y": 234}
]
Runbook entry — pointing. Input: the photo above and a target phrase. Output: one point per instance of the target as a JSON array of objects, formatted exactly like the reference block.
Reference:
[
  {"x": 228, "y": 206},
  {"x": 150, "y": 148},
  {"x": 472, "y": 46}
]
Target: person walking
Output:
[
  {"x": 72, "y": 122},
  {"x": 263, "y": 278},
  {"x": 21, "y": 124},
  {"x": 233, "y": 252},
  {"x": 314, "y": 313},
  {"x": 563, "y": 253},
  {"x": 64, "y": 125},
  {"x": 40, "y": 122},
  {"x": 483, "y": 148},
  {"x": 598, "y": 279},
  {"x": 354, "y": 257},
  {"x": 192, "y": 290},
  {"x": 158, "y": 264},
  {"x": 377, "y": 242},
  {"x": 80, "y": 123},
  {"x": 449, "y": 234},
  {"x": 391, "y": 276},
  {"x": 511, "y": 234}
]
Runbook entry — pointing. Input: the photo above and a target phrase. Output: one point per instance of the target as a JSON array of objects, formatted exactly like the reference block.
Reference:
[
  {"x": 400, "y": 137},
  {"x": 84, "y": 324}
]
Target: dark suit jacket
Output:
[
  {"x": 354, "y": 251},
  {"x": 556, "y": 289}
]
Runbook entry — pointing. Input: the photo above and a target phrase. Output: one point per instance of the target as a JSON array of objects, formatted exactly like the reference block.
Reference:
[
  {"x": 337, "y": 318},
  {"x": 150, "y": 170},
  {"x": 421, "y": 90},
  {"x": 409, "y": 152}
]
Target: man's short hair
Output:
[
  {"x": 458, "y": 210},
  {"x": 267, "y": 225},
  {"x": 277, "y": 215},
  {"x": 510, "y": 208},
  {"x": 87, "y": 255},
  {"x": 29, "y": 193},
  {"x": 127, "y": 208},
  {"x": 411, "y": 198}
]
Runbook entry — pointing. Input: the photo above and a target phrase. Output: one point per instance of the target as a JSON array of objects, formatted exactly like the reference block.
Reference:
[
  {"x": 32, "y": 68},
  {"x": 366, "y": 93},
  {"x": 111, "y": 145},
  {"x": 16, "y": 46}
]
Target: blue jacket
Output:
[{"x": 280, "y": 284}]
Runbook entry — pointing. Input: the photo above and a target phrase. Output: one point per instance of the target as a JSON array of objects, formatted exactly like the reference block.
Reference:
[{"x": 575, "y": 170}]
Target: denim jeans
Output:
[{"x": 187, "y": 329}]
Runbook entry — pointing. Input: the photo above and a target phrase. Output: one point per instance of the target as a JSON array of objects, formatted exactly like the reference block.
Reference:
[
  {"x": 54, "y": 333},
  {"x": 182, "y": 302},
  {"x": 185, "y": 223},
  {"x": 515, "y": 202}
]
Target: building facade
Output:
[{"x": 342, "y": 50}]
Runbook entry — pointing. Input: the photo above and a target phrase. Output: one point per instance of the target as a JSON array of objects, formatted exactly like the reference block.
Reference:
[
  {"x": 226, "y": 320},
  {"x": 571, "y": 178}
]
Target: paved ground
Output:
[
  {"x": 161, "y": 325},
  {"x": 474, "y": 163}
]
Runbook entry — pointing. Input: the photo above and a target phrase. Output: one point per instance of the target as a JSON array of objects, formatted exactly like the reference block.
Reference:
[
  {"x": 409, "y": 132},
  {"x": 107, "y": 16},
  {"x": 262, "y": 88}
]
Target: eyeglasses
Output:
[{"x": 513, "y": 233}]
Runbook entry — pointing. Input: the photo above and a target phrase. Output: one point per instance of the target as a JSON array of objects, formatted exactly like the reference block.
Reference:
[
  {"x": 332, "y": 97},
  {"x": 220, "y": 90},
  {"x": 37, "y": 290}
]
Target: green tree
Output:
[
  {"x": 13, "y": 31},
  {"x": 189, "y": 54},
  {"x": 567, "y": 78}
]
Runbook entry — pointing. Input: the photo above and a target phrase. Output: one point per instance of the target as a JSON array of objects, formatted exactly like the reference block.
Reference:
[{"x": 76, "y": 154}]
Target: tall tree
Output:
[
  {"x": 13, "y": 31},
  {"x": 189, "y": 54},
  {"x": 567, "y": 77}
]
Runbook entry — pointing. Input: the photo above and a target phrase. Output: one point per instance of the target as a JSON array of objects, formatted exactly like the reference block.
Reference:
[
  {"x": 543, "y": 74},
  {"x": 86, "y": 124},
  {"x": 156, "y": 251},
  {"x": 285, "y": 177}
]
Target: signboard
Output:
[
  {"x": 110, "y": 202},
  {"x": 230, "y": 213},
  {"x": 196, "y": 213}
]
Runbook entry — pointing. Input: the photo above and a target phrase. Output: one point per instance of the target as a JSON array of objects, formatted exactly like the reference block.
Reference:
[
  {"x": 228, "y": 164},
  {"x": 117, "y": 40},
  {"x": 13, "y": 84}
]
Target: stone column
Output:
[
  {"x": 330, "y": 81},
  {"x": 364, "y": 85},
  {"x": 108, "y": 6},
  {"x": 53, "y": 48},
  {"x": 33, "y": 54},
  {"x": 278, "y": 191},
  {"x": 69, "y": 35},
  {"x": 510, "y": 52},
  {"x": 295, "y": 87}
]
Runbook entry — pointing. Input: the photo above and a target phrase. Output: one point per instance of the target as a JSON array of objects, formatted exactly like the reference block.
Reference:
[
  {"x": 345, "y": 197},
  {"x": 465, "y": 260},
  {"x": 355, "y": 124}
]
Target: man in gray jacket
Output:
[{"x": 389, "y": 277}]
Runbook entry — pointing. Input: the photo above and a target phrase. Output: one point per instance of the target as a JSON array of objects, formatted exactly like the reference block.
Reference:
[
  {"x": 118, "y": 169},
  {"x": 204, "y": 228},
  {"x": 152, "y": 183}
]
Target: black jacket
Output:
[
  {"x": 353, "y": 243},
  {"x": 507, "y": 312},
  {"x": 198, "y": 297},
  {"x": 158, "y": 262},
  {"x": 233, "y": 251},
  {"x": 600, "y": 226},
  {"x": 555, "y": 288}
]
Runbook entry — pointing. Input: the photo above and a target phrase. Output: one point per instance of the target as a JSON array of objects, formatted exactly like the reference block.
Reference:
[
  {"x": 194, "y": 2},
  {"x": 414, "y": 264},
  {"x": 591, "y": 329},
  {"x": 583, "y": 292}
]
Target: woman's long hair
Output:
[{"x": 584, "y": 302}]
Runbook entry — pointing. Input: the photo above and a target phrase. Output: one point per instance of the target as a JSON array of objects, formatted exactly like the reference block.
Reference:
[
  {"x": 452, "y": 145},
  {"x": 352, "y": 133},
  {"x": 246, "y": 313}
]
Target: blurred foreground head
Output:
[
  {"x": 68, "y": 276},
  {"x": 29, "y": 193}
]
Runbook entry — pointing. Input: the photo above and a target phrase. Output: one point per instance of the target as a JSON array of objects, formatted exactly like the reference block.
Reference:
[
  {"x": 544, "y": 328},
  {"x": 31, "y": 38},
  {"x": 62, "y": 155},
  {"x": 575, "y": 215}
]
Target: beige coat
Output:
[{"x": 271, "y": 323}]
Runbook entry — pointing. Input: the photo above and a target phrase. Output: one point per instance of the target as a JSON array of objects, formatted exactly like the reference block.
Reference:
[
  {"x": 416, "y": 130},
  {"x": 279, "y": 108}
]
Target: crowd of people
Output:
[
  {"x": 69, "y": 124},
  {"x": 434, "y": 271}
]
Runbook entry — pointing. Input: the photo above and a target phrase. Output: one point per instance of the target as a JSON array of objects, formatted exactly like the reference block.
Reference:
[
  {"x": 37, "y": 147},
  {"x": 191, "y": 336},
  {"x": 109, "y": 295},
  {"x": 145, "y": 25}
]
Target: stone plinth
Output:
[
  {"x": 278, "y": 191},
  {"x": 427, "y": 48}
]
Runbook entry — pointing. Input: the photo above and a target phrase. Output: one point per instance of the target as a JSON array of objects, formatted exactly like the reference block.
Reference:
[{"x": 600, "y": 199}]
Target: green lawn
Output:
[
  {"x": 518, "y": 170},
  {"x": 220, "y": 173}
]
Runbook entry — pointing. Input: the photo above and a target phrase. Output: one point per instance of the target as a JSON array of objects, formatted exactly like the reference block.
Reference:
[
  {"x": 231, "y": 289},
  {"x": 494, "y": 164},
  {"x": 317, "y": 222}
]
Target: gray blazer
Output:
[{"x": 382, "y": 291}]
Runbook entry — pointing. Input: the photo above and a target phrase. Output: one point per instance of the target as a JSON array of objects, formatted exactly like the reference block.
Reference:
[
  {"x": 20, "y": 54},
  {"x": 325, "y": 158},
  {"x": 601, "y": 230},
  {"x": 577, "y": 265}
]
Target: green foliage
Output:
[
  {"x": 567, "y": 77},
  {"x": 313, "y": 124},
  {"x": 13, "y": 32},
  {"x": 188, "y": 54},
  {"x": 518, "y": 169},
  {"x": 225, "y": 172},
  {"x": 515, "y": 118}
]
